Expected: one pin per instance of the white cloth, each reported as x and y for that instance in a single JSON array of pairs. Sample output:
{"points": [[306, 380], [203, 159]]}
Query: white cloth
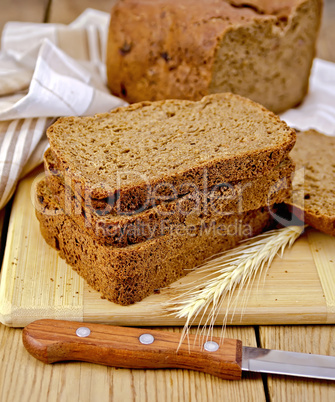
{"points": [[318, 108], [47, 70], [50, 70]]}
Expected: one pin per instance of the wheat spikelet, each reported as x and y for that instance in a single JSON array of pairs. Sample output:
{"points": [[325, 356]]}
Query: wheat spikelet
{"points": [[227, 271]]}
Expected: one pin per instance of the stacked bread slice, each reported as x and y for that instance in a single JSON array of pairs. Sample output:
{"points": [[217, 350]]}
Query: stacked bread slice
{"points": [[135, 198], [313, 198]]}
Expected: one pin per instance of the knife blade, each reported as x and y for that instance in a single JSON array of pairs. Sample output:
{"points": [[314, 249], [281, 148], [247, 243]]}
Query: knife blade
{"points": [[136, 348]]}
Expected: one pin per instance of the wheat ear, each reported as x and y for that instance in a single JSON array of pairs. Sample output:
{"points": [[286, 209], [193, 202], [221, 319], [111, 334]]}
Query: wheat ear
{"points": [[224, 273]]}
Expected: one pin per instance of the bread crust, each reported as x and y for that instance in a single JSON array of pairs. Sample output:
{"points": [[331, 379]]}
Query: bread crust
{"points": [[172, 49], [247, 161], [127, 275], [123, 230], [313, 186], [325, 224]]}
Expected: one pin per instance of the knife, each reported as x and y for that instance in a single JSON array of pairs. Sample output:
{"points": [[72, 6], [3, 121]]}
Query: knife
{"points": [[135, 348]]}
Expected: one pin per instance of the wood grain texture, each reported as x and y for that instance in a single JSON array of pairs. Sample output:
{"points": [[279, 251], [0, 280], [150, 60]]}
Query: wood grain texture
{"points": [[327, 263], [22, 10], [66, 11], [292, 285], [23, 378], [55, 341], [305, 339], [308, 339], [325, 45], [60, 289]]}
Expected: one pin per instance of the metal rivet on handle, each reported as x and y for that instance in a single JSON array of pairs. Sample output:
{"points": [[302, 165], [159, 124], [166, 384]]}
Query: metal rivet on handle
{"points": [[83, 332], [146, 339], [211, 346]]}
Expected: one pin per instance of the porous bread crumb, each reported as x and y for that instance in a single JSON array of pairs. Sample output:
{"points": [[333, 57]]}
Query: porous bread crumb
{"points": [[136, 152], [121, 230], [127, 275], [185, 49], [314, 188]]}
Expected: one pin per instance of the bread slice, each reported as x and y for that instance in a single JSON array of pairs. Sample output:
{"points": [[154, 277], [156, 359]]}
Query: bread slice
{"points": [[153, 150], [314, 183], [189, 210], [186, 49], [127, 275]]}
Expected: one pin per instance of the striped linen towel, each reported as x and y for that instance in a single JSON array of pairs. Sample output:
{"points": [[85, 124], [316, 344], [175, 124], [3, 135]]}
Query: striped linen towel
{"points": [[47, 70]]}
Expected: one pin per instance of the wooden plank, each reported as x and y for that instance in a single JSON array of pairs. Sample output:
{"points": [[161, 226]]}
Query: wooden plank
{"points": [[23, 378], [19, 10], [291, 292], [65, 11], [305, 339], [325, 44], [325, 265], [51, 287]]}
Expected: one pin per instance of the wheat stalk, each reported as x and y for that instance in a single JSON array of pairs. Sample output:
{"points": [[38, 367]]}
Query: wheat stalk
{"points": [[227, 271]]}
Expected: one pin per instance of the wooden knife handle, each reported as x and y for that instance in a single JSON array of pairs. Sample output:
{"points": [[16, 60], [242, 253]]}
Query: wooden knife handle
{"points": [[54, 340]]}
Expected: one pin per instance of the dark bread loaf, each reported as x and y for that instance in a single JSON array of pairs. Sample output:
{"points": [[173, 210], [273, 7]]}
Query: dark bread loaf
{"points": [[226, 199], [314, 183], [185, 49], [127, 275], [148, 151]]}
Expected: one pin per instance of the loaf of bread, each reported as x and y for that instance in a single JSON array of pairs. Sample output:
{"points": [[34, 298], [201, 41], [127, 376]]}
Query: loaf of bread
{"points": [[185, 49], [108, 228], [314, 183], [151, 151], [127, 275]]}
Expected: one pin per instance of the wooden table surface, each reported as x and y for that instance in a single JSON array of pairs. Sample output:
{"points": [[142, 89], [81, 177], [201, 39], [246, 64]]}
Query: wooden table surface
{"points": [[22, 378]]}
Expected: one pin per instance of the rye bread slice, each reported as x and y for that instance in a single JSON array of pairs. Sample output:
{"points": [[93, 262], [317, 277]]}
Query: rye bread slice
{"points": [[192, 209], [137, 154], [314, 183], [127, 275]]}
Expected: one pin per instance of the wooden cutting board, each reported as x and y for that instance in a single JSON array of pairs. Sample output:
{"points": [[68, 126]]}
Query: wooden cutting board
{"points": [[35, 283]]}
